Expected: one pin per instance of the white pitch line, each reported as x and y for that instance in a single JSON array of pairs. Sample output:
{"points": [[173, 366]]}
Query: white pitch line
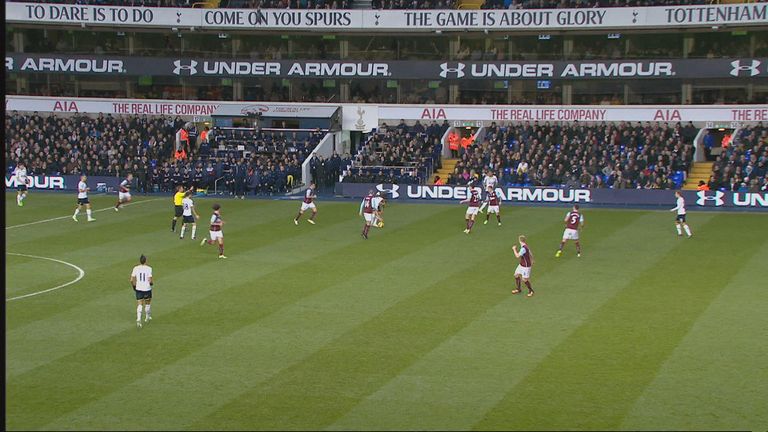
{"points": [[69, 217], [80, 275]]}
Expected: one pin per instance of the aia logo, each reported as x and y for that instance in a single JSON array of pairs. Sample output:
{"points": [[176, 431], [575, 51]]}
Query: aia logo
{"points": [[393, 192], [716, 198], [745, 68], [191, 68], [457, 72]]}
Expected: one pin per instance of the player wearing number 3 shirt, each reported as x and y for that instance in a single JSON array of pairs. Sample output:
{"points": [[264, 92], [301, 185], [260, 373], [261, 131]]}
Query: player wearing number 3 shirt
{"points": [[366, 210], [574, 221]]}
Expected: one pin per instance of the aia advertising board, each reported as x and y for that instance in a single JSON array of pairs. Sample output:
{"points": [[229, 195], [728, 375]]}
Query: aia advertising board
{"points": [[709, 200]]}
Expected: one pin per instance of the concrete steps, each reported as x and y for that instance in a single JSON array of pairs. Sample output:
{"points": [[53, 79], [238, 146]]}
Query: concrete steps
{"points": [[699, 171]]}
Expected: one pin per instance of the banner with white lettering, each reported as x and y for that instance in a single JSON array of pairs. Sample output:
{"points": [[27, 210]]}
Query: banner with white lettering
{"points": [[322, 20], [98, 184], [366, 116], [727, 68], [703, 200]]}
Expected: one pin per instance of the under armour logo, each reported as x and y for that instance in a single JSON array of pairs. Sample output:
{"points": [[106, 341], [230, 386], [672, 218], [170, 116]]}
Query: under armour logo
{"points": [[750, 70], [717, 198], [458, 70], [394, 191], [191, 67]]}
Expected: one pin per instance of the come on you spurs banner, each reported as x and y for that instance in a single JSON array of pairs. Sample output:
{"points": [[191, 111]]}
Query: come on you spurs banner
{"points": [[624, 18]]}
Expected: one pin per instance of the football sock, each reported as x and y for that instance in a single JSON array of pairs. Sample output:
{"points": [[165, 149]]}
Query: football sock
{"points": [[298, 216], [578, 248], [18, 199], [173, 225], [517, 283], [183, 230], [679, 231], [313, 216], [687, 230], [77, 211], [147, 311], [498, 218], [487, 216], [563, 244], [221, 249], [88, 212], [118, 204], [471, 223], [194, 230], [138, 313], [528, 284]]}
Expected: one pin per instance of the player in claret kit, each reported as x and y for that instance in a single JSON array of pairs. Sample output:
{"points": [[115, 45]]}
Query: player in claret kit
{"points": [[366, 210], [523, 271], [20, 173], [216, 231], [492, 199], [309, 203], [124, 194], [574, 221], [474, 207], [680, 219]]}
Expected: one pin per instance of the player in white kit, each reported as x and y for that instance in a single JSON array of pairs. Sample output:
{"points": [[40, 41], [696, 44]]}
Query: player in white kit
{"points": [[141, 281], [124, 194], [82, 199], [680, 222], [378, 203], [189, 213], [20, 173]]}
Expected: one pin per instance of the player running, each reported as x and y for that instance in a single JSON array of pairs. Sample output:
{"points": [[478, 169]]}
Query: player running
{"points": [[378, 209], [141, 281], [178, 209], [216, 232], [82, 199], [366, 210], [492, 200], [680, 219], [309, 203], [574, 221], [523, 271], [189, 213], [124, 195], [474, 206], [21, 183]]}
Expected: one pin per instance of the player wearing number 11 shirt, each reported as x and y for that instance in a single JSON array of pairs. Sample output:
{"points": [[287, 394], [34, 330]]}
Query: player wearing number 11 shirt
{"points": [[574, 221]]}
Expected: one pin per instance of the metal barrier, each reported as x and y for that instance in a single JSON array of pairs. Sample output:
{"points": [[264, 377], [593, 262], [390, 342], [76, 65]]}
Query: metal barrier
{"points": [[216, 186]]}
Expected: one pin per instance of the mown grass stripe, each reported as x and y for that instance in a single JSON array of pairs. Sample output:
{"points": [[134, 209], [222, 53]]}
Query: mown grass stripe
{"points": [[180, 333], [595, 376]]}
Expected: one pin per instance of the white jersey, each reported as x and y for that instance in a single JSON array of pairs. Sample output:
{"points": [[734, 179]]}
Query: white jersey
{"points": [[143, 274], [82, 190], [21, 175], [680, 207], [187, 204], [490, 181], [376, 202]]}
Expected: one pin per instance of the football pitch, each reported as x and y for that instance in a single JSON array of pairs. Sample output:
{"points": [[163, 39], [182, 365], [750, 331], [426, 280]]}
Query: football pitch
{"points": [[312, 327]]}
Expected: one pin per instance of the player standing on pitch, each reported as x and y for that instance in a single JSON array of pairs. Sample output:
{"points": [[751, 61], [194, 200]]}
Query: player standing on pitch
{"points": [[82, 199], [523, 270], [474, 206], [492, 199], [680, 219], [378, 209], [178, 209], [189, 213], [21, 183], [216, 231], [574, 221], [309, 203], [141, 281], [366, 210], [124, 195]]}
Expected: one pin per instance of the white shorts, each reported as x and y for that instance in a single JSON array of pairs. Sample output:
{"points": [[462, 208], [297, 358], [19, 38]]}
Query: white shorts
{"points": [[570, 234], [215, 235], [471, 211], [124, 196], [493, 209], [368, 217], [525, 272], [305, 206]]}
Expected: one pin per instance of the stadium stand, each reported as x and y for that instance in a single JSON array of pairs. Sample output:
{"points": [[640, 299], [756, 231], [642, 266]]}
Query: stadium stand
{"points": [[261, 162], [743, 165]]}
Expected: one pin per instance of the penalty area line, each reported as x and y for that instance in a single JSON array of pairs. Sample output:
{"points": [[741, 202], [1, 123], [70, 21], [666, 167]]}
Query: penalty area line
{"points": [[80, 275], [69, 217]]}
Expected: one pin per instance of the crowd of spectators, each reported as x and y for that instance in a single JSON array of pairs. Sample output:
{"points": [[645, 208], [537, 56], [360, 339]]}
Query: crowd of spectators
{"points": [[115, 146], [646, 156], [743, 164], [400, 154]]}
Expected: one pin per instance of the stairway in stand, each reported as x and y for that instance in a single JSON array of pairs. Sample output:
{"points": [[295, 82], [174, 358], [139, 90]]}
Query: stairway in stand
{"points": [[448, 166], [699, 171]]}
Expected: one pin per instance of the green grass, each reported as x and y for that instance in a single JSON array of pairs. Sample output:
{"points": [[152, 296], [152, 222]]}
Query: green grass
{"points": [[311, 327]]}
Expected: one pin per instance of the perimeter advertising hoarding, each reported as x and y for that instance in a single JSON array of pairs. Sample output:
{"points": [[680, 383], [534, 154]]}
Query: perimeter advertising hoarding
{"points": [[594, 197], [65, 182]]}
